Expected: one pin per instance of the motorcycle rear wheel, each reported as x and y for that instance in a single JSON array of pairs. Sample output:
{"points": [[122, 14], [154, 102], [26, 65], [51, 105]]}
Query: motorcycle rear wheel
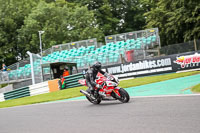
{"points": [[124, 96], [96, 101]]}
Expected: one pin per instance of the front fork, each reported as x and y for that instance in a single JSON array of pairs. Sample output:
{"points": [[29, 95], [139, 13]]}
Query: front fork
{"points": [[116, 92]]}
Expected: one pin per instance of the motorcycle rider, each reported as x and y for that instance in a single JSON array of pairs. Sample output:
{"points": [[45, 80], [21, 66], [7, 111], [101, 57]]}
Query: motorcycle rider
{"points": [[91, 76]]}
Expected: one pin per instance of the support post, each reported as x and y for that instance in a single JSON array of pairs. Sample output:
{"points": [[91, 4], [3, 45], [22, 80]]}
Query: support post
{"points": [[195, 45], [32, 70]]}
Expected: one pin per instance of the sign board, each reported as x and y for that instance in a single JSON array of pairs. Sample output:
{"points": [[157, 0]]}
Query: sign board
{"points": [[159, 65]]}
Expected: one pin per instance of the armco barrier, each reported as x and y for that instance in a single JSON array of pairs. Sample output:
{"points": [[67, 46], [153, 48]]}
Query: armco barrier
{"points": [[2, 97], [18, 93], [72, 80], [39, 88]]}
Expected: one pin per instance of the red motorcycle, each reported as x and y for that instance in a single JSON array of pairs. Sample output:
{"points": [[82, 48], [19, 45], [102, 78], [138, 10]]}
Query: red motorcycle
{"points": [[109, 91]]}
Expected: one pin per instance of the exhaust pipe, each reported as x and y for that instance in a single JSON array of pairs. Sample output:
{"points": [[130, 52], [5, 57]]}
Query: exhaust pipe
{"points": [[87, 94]]}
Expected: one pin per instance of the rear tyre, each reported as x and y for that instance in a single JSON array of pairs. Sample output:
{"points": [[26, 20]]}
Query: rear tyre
{"points": [[124, 96], [96, 101]]}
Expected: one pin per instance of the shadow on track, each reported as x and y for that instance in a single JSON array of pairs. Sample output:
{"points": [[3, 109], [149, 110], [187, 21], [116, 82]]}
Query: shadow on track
{"points": [[109, 103]]}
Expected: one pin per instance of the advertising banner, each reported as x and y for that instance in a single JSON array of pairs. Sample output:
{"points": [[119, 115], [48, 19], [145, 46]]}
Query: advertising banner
{"points": [[159, 65], [186, 61]]}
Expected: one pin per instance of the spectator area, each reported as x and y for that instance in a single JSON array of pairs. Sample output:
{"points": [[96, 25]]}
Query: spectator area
{"points": [[87, 55]]}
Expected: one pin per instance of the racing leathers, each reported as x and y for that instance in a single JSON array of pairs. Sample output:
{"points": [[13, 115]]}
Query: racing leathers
{"points": [[90, 79]]}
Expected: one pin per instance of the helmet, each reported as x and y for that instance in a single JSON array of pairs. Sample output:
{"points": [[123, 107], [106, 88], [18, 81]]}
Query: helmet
{"points": [[97, 65]]}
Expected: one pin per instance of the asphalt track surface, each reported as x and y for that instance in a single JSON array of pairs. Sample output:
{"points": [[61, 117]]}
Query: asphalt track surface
{"points": [[173, 114]]}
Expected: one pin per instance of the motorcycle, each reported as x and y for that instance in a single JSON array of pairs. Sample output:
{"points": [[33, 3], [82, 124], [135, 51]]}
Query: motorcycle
{"points": [[109, 91]]}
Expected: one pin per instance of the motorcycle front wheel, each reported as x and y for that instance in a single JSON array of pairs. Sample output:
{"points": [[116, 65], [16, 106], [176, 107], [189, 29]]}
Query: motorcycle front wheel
{"points": [[124, 96]]}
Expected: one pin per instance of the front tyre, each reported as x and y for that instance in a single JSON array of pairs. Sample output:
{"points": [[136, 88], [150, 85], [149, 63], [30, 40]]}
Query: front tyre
{"points": [[124, 96]]}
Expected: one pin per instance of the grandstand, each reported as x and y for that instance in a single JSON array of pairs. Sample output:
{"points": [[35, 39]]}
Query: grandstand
{"points": [[86, 52], [84, 55]]}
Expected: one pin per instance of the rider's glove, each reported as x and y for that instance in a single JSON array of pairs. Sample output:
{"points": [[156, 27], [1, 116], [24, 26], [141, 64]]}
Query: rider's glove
{"points": [[99, 86]]}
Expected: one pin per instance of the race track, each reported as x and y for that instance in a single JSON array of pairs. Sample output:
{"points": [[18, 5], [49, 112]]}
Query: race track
{"points": [[141, 115]]}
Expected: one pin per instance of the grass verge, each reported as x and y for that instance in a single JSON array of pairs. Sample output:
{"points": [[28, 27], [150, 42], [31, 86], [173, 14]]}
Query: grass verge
{"points": [[196, 88], [75, 92], [153, 79]]}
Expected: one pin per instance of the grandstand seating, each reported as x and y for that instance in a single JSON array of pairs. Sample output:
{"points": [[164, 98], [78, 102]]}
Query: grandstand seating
{"points": [[85, 56], [106, 53]]}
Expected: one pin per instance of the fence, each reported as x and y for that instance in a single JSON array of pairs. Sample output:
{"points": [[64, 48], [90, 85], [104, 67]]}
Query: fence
{"points": [[72, 80], [24, 71], [18, 93], [72, 45], [180, 48], [16, 72], [19, 64], [41, 88], [32, 90], [145, 35]]}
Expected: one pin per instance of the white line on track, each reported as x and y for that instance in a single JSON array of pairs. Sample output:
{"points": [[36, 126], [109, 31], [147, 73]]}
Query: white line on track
{"points": [[181, 95]]}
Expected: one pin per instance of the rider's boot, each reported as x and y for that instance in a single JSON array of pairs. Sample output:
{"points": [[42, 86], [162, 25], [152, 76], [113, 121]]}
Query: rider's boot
{"points": [[92, 94]]}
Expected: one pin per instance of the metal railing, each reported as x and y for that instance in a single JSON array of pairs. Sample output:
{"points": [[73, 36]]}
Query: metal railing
{"points": [[134, 35], [72, 45], [180, 48]]}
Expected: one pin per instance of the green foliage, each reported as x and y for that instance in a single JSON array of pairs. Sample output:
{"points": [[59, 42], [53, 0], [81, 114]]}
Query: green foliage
{"points": [[130, 13], [12, 14], [177, 21], [117, 16], [61, 22]]}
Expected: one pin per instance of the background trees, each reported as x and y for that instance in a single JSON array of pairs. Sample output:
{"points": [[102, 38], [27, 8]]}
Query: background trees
{"points": [[12, 14], [178, 21], [62, 23], [117, 16]]}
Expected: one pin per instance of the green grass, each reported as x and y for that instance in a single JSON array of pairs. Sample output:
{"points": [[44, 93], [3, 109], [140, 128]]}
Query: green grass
{"points": [[196, 88], [75, 92], [153, 79], [53, 96]]}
